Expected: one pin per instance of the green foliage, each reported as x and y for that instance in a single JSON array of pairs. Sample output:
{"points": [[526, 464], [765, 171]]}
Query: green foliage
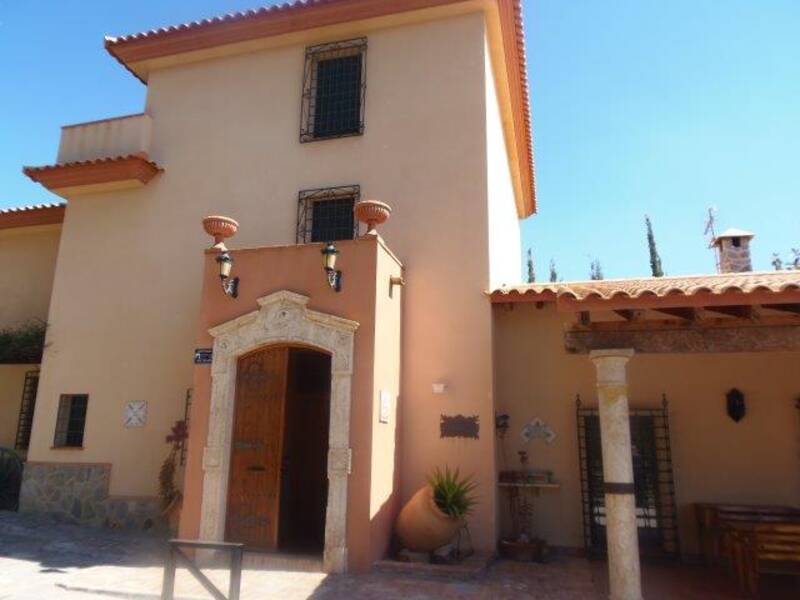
{"points": [[453, 494], [22, 345], [655, 260]]}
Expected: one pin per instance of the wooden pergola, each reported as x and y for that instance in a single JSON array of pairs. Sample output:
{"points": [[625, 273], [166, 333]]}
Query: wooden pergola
{"points": [[613, 320]]}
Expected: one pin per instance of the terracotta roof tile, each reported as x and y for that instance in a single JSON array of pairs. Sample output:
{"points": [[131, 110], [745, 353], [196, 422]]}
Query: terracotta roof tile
{"points": [[769, 281], [32, 215], [82, 163], [31, 208]]}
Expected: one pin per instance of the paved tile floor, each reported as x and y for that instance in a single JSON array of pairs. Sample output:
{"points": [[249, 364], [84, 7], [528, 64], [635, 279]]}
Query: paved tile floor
{"points": [[41, 560]]}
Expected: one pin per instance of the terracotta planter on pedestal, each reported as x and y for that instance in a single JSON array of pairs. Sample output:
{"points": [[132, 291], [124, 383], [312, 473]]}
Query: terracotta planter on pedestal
{"points": [[220, 228], [373, 213], [422, 527]]}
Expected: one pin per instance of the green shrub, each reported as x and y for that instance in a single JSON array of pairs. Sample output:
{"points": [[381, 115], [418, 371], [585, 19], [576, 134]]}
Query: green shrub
{"points": [[23, 344], [453, 494]]}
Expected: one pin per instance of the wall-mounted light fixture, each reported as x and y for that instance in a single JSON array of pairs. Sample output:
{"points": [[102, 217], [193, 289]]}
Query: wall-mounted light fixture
{"points": [[736, 405], [229, 285], [329, 254], [221, 228]]}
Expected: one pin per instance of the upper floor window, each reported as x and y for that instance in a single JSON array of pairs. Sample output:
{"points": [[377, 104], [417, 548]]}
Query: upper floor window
{"points": [[326, 215], [71, 420], [334, 87]]}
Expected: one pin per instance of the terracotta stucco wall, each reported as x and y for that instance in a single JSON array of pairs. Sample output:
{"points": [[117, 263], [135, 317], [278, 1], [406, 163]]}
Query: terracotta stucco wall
{"points": [[127, 290], [385, 467], [28, 256], [714, 459], [367, 267]]}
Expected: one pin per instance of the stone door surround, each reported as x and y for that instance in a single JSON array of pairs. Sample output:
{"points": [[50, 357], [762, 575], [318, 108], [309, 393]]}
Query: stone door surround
{"points": [[282, 318]]}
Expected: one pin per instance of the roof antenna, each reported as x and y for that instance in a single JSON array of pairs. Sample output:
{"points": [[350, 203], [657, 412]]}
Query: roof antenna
{"points": [[711, 231]]}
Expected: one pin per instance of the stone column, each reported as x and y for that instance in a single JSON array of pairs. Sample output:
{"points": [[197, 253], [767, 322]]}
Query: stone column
{"points": [[621, 531]]}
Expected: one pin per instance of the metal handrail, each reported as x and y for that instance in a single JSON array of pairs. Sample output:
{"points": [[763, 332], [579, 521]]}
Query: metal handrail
{"points": [[176, 555]]}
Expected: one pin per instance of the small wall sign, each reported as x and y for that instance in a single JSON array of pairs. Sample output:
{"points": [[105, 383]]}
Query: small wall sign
{"points": [[135, 413], [385, 406], [203, 356]]}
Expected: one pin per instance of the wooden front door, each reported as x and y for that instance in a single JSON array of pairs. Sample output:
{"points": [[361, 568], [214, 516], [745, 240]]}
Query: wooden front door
{"points": [[257, 448]]}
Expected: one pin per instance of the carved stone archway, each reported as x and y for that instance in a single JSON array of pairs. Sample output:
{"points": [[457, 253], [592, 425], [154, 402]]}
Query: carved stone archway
{"points": [[282, 318]]}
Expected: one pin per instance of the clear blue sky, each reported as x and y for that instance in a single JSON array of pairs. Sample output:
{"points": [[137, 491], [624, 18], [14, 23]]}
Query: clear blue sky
{"points": [[640, 106]]}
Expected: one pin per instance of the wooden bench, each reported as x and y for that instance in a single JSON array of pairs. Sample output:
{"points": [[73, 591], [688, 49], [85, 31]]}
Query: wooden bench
{"points": [[760, 548], [713, 522]]}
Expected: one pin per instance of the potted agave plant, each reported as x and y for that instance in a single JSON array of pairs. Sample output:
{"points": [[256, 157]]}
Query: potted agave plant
{"points": [[436, 512], [171, 496]]}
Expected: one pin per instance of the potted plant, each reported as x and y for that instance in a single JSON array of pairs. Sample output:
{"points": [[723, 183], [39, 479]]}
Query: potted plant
{"points": [[171, 496], [436, 512]]}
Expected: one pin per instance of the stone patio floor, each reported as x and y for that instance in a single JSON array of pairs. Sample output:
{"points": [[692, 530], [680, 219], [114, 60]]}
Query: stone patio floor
{"points": [[43, 560]]}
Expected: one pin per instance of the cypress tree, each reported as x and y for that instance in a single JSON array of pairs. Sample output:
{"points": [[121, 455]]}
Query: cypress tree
{"points": [[531, 268], [655, 259], [595, 270], [553, 272]]}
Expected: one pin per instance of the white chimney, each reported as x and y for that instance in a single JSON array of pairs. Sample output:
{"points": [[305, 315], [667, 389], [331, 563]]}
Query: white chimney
{"points": [[733, 251]]}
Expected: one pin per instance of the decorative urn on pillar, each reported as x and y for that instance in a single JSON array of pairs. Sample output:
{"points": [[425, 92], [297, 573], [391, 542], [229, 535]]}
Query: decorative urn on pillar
{"points": [[220, 228], [373, 213]]}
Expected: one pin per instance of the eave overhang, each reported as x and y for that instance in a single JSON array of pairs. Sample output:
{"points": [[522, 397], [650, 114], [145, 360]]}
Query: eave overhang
{"points": [[734, 289], [95, 176], [32, 216], [244, 31]]}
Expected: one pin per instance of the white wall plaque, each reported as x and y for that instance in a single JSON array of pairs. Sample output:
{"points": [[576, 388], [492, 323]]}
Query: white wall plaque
{"points": [[135, 413], [385, 407]]}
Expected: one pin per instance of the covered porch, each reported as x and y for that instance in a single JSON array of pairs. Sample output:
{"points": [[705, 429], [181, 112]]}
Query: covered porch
{"points": [[687, 386]]}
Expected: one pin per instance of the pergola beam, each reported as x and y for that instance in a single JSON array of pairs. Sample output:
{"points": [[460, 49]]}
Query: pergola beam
{"points": [[740, 312], [723, 335], [790, 308], [686, 313]]}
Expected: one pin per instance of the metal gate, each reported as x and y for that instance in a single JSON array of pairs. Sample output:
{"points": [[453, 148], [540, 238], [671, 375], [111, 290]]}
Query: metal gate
{"points": [[652, 475]]}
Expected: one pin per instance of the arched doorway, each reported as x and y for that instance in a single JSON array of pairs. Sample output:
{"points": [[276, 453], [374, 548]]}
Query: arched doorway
{"points": [[277, 493], [282, 318]]}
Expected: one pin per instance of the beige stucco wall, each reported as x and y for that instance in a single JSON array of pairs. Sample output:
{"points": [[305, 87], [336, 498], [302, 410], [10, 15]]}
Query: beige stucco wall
{"points": [[714, 459], [226, 132], [28, 256], [12, 381], [505, 258]]}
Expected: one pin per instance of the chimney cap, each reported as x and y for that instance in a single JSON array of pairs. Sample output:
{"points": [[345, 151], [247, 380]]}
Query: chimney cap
{"points": [[732, 233]]}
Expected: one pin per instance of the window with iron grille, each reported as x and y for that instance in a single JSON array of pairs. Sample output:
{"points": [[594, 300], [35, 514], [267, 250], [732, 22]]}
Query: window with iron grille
{"points": [[26, 408], [326, 215], [334, 90], [71, 420]]}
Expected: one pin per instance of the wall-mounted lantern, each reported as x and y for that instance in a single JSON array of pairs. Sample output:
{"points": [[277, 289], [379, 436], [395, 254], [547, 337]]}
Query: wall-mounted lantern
{"points": [[329, 254], [221, 228], [229, 285], [736, 404]]}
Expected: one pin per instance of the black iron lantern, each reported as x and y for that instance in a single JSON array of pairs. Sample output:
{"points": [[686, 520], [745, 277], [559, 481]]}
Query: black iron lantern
{"points": [[229, 286], [329, 254], [736, 405]]}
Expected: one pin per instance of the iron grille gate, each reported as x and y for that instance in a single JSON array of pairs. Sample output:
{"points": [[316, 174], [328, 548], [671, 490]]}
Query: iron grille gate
{"points": [[26, 408], [653, 481]]}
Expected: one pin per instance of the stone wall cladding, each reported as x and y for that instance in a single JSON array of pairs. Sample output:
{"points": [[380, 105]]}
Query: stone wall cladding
{"points": [[78, 493]]}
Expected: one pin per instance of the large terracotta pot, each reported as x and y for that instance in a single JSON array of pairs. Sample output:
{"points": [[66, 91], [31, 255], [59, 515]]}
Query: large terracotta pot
{"points": [[422, 527]]}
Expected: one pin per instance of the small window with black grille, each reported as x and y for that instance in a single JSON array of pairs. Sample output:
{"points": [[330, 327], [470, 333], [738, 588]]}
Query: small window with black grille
{"points": [[334, 89], [71, 420], [26, 408], [326, 215]]}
